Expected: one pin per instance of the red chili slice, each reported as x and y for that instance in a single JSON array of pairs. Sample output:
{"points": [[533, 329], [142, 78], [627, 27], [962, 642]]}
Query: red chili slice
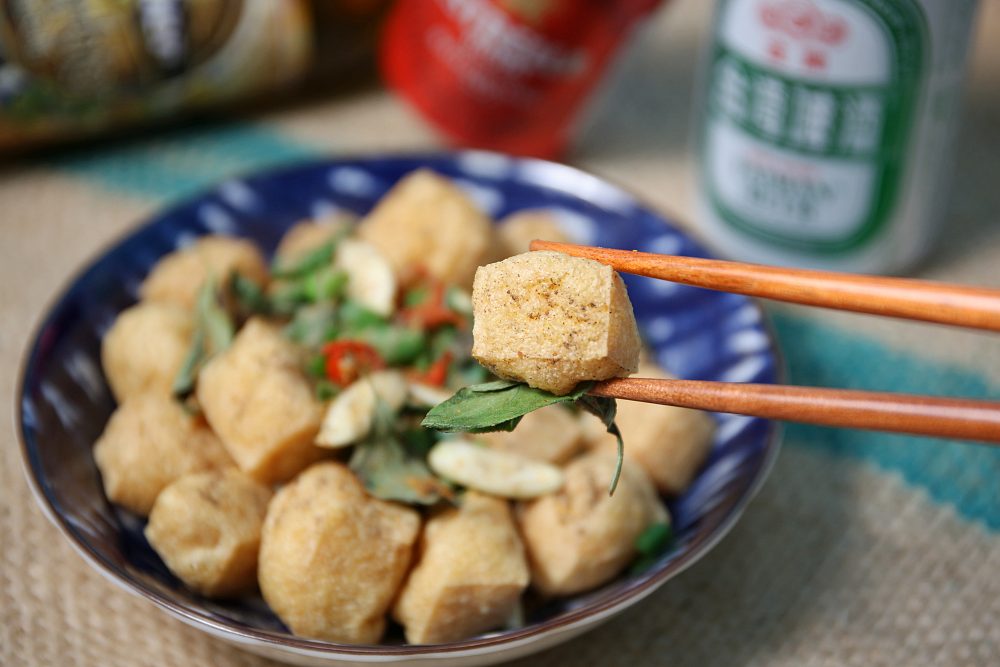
{"points": [[347, 359], [432, 312], [437, 374]]}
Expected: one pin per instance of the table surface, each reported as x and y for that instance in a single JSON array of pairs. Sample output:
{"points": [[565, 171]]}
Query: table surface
{"points": [[862, 549]]}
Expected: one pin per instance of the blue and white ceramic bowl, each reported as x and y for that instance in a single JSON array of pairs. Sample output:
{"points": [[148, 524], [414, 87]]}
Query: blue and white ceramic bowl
{"points": [[64, 401]]}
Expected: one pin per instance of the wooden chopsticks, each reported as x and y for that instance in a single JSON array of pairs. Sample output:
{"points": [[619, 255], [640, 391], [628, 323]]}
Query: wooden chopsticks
{"points": [[959, 305], [971, 307], [876, 411]]}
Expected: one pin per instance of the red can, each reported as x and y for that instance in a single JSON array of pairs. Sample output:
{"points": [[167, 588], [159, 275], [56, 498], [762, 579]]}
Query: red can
{"points": [[507, 75]]}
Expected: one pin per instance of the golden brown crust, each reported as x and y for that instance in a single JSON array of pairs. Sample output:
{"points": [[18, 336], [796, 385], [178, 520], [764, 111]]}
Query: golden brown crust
{"points": [[206, 527], [470, 573], [332, 557], [258, 401], [553, 321], [149, 442]]}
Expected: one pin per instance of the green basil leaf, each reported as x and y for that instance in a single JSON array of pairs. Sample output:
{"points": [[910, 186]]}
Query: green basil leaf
{"points": [[606, 409], [496, 408], [495, 385], [390, 470]]}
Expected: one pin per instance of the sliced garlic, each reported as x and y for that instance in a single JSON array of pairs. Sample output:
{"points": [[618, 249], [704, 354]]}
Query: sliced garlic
{"points": [[349, 417], [495, 472], [370, 279], [426, 396]]}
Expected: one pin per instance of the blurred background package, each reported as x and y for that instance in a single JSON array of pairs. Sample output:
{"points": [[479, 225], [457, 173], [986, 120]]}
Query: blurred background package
{"points": [[829, 128], [77, 68], [507, 75]]}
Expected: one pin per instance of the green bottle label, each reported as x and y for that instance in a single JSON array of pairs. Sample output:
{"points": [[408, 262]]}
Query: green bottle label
{"points": [[810, 106]]}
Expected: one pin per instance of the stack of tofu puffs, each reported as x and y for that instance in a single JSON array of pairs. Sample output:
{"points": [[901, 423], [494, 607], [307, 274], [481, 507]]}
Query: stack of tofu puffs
{"points": [[250, 491]]}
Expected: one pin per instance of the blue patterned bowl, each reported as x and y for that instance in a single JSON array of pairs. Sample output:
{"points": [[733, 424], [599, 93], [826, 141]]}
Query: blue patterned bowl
{"points": [[64, 401]]}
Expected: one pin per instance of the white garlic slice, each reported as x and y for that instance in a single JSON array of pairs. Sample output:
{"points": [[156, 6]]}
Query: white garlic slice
{"points": [[370, 279], [349, 417], [494, 472]]}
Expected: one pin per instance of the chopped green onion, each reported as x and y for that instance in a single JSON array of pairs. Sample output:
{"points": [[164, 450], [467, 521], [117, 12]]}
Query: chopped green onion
{"points": [[398, 346], [326, 390], [324, 285], [316, 366], [313, 324], [415, 297], [249, 296], [354, 316], [654, 540]]}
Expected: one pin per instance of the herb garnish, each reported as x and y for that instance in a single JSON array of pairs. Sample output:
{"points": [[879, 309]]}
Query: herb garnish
{"points": [[393, 465], [651, 544], [499, 406], [214, 331]]}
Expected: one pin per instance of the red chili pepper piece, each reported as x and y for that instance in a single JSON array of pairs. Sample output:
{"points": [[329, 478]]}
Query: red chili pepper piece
{"points": [[437, 374], [347, 359], [432, 312]]}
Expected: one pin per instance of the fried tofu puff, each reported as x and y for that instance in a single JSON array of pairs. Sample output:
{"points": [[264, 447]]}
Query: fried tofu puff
{"points": [[427, 221], [177, 277], [670, 443], [149, 442], [518, 230], [553, 321], [307, 236], [145, 348], [552, 434], [470, 573], [580, 537], [332, 557], [257, 399], [206, 527]]}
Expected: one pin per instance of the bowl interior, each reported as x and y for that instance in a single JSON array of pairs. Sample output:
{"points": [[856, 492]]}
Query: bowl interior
{"points": [[696, 334]]}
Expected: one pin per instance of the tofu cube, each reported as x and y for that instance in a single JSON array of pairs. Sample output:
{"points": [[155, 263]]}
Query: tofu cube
{"points": [[149, 442], [145, 348], [427, 221], [178, 277], [518, 230], [552, 434], [670, 443], [206, 528], [257, 399], [553, 321], [470, 574], [332, 558], [580, 537]]}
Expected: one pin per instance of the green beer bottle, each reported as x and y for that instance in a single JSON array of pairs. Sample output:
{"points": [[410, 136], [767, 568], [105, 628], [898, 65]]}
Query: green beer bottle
{"points": [[828, 127]]}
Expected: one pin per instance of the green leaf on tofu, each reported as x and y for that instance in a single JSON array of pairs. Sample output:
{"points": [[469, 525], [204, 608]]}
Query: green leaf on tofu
{"points": [[499, 406], [493, 406]]}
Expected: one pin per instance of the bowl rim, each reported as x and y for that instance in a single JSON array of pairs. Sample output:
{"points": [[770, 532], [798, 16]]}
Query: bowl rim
{"points": [[586, 614]]}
